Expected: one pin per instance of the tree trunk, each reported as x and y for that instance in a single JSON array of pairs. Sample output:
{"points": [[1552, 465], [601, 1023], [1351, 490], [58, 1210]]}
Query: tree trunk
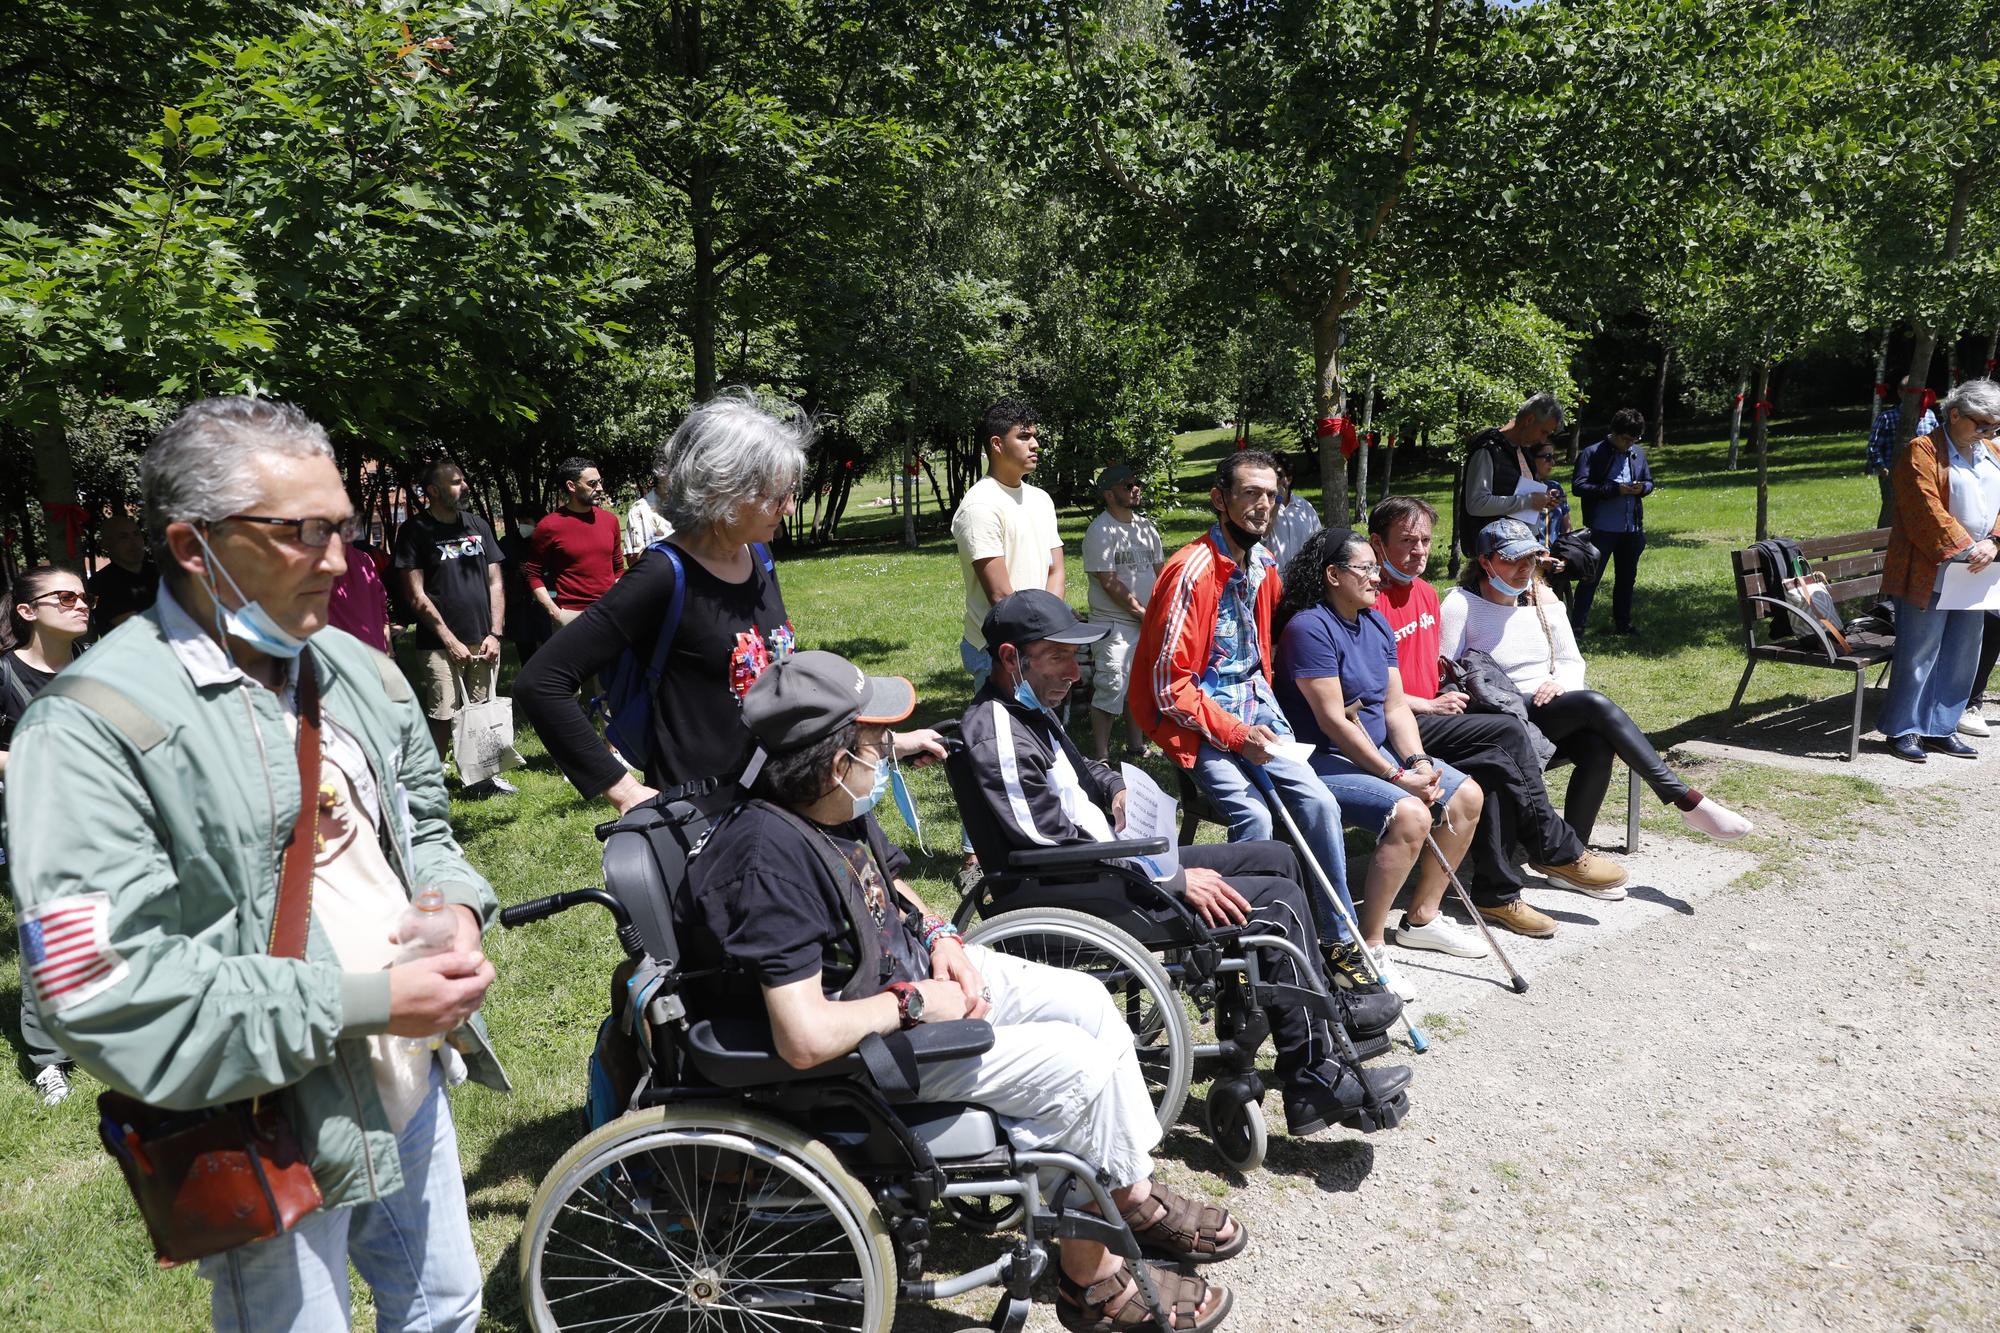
{"points": [[1660, 399], [1925, 345], [1881, 378], [910, 484], [1327, 394], [1760, 433], [1367, 423], [1951, 361], [55, 487], [1736, 417], [1388, 470]]}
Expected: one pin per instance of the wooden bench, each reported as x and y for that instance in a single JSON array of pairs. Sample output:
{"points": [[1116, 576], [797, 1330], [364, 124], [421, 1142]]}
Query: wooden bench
{"points": [[1852, 563]]}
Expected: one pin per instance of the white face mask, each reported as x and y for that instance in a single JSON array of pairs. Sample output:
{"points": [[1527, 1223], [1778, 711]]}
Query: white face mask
{"points": [[249, 623], [1505, 586]]}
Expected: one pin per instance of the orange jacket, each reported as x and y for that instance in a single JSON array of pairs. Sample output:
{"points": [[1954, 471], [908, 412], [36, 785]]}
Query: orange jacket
{"points": [[1924, 534], [1175, 644]]}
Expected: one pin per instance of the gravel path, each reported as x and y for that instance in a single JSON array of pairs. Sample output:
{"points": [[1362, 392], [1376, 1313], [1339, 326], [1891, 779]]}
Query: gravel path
{"points": [[1717, 1107]]}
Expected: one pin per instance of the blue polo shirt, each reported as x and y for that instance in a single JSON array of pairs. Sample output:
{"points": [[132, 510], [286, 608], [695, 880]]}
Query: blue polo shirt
{"points": [[1318, 644]]}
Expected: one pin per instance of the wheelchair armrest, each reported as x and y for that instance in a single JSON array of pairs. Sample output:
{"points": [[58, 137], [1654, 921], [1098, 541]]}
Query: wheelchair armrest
{"points": [[1077, 855], [962, 1037]]}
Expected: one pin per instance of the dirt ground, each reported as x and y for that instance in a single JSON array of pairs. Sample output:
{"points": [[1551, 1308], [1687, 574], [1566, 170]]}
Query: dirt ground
{"points": [[1732, 1101]]}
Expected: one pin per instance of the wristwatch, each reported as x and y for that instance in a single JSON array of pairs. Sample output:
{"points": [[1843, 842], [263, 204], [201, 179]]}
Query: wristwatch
{"points": [[909, 1003]]}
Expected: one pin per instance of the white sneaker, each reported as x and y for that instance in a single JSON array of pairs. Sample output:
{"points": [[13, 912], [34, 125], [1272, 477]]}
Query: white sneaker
{"points": [[1440, 935], [1972, 724], [501, 785], [1391, 975], [52, 1085]]}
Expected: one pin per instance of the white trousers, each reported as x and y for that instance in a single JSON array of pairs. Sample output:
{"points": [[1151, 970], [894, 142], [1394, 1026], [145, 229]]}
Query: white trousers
{"points": [[1062, 1073]]}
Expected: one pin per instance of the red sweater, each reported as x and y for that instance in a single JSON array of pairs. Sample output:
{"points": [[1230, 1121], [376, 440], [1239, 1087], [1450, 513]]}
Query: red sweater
{"points": [[575, 556]]}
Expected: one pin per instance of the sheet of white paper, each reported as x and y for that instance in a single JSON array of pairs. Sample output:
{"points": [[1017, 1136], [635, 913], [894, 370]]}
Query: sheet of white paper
{"points": [[1963, 590], [1151, 813], [1296, 751]]}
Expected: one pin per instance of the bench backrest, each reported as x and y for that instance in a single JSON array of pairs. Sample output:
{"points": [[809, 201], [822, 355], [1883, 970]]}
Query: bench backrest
{"points": [[1851, 561]]}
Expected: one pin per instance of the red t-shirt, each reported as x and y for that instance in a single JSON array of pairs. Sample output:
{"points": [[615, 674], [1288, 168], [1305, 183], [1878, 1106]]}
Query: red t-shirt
{"points": [[1412, 612], [575, 556]]}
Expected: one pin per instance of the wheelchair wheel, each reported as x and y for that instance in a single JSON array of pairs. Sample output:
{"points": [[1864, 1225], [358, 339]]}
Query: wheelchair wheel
{"points": [[1236, 1127], [704, 1217], [1076, 941]]}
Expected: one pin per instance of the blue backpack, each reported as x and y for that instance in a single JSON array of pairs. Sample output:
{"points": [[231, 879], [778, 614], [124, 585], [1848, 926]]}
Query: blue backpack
{"points": [[629, 686]]}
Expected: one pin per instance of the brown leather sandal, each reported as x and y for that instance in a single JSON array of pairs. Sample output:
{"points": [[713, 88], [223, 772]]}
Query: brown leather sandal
{"points": [[1112, 1304], [1185, 1230]]}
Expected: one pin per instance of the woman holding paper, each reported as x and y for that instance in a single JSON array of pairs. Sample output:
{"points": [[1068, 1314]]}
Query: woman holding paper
{"points": [[1947, 488]]}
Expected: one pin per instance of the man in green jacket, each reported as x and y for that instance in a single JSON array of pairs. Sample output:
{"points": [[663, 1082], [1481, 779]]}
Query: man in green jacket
{"points": [[153, 787]]}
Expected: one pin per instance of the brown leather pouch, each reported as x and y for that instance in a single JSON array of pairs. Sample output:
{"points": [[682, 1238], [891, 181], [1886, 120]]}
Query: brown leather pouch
{"points": [[212, 1179], [209, 1180]]}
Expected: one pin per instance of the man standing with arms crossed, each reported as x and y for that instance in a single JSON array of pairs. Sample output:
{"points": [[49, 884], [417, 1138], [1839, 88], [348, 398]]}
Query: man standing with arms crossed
{"points": [[449, 564], [1005, 528], [1122, 554], [177, 744], [574, 556]]}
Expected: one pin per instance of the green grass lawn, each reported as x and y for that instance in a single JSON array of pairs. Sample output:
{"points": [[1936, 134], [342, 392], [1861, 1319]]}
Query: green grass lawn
{"points": [[72, 1252]]}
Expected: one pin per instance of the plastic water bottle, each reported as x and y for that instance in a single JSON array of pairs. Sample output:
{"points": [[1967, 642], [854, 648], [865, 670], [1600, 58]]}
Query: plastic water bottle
{"points": [[426, 927]]}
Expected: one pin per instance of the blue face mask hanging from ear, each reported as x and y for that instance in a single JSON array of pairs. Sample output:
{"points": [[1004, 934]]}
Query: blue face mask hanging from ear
{"points": [[249, 623], [864, 804], [1024, 693], [1505, 586], [905, 805]]}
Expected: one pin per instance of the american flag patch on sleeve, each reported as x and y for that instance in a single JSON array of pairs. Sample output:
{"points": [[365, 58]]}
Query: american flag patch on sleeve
{"points": [[67, 945]]}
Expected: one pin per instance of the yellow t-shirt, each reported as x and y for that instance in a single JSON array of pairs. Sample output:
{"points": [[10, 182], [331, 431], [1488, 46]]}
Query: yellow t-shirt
{"points": [[1017, 524]]}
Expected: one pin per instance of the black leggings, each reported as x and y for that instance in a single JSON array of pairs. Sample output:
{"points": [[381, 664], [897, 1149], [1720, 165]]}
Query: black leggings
{"points": [[1589, 730]]}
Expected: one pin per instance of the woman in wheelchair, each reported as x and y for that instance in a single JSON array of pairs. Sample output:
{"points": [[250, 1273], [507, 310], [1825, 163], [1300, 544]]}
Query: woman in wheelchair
{"points": [[1338, 681], [795, 901], [1036, 789]]}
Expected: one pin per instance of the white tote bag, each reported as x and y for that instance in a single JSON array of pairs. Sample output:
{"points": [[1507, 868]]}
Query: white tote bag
{"points": [[482, 738]]}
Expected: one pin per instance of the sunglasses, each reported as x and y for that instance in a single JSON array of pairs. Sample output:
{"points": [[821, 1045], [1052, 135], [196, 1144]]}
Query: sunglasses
{"points": [[66, 599], [313, 532]]}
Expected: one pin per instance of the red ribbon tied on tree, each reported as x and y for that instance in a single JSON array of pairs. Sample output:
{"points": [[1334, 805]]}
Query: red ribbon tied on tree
{"points": [[1928, 401], [1341, 429], [1764, 408], [1882, 391], [72, 519], [1992, 363]]}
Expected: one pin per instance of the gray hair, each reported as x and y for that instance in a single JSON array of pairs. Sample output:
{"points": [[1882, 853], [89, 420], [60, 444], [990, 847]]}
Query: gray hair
{"points": [[735, 449], [193, 470], [1541, 407], [1981, 396]]}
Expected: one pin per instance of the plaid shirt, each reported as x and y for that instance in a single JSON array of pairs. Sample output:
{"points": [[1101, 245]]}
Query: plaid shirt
{"points": [[1235, 674], [1882, 439]]}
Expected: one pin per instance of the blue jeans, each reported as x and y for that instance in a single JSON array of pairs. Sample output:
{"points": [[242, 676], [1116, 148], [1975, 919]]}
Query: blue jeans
{"points": [[976, 661], [1224, 778], [1366, 801], [413, 1248], [1937, 655]]}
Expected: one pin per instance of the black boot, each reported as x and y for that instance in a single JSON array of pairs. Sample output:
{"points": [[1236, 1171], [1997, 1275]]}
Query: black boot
{"points": [[1363, 1099], [1367, 1016]]}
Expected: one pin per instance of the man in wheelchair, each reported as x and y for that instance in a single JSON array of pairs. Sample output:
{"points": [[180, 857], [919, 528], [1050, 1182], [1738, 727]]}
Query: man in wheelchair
{"points": [[796, 900], [1038, 790]]}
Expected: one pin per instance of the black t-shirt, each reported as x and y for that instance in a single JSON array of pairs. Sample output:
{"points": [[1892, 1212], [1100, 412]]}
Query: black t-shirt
{"points": [[116, 594], [763, 898], [19, 683], [728, 634], [452, 558]]}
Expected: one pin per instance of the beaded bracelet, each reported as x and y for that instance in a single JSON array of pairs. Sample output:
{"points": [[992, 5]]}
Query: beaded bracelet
{"points": [[941, 931]]}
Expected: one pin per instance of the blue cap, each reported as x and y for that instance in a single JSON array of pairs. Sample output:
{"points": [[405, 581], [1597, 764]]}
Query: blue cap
{"points": [[1508, 538]]}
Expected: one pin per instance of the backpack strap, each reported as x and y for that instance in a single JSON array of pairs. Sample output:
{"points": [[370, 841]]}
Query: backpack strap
{"points": [[668, 626], [15, 686], [112, 705], [394, 683]]}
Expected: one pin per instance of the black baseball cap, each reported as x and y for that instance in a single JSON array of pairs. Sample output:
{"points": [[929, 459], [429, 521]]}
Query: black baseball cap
{"points": [[1115, 475], [1034, 614], [809, 696]]}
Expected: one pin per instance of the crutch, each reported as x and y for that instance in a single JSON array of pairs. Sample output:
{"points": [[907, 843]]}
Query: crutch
{"points": [[1520, 982], [1418, 1042]]}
